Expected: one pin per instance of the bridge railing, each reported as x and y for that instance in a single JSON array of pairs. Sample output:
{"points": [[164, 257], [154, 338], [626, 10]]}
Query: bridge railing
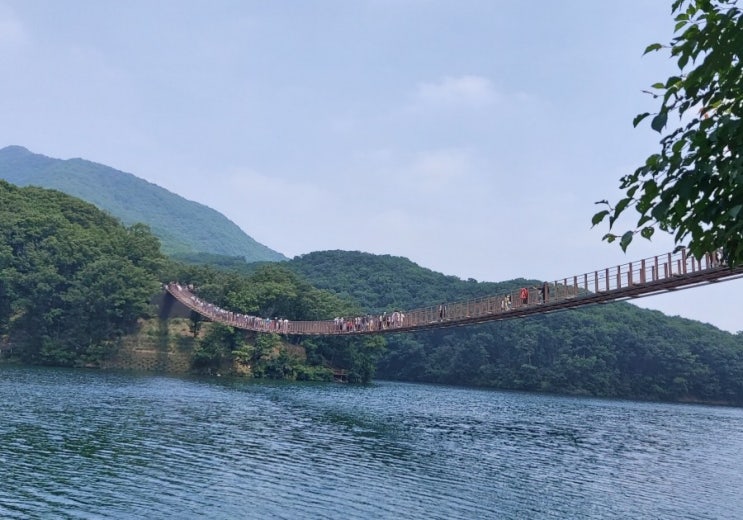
{"points": [[649, 270], [629, 279], [637, 274]]}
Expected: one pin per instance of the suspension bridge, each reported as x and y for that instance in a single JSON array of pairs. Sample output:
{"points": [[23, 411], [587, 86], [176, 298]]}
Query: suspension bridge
{"points": [[646, 277]]}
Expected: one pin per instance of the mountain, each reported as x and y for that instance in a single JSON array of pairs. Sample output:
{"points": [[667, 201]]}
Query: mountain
{"points": [[184, 227], [381, 283]]}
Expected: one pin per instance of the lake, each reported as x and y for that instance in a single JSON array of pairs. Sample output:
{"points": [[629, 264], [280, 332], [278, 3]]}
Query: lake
{"points": [[95, 444]]}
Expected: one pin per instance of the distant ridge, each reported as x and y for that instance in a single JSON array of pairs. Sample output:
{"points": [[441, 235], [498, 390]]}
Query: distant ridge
{"points": [[184, 227]]}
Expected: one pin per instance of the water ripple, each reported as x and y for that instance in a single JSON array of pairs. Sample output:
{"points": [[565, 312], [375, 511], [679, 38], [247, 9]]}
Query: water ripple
{"points": [[77, 444]]}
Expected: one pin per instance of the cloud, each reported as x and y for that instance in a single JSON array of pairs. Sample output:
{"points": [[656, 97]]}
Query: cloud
{"points": [[463, 91], [12, 32], [433, 169]]}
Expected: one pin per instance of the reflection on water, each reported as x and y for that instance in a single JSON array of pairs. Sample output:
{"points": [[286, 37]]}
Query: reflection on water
{"points": [[86, 444]]}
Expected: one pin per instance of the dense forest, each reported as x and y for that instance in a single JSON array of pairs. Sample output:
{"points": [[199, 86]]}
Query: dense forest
{"points": [[612, 350], [74, 281], [272, 290]]}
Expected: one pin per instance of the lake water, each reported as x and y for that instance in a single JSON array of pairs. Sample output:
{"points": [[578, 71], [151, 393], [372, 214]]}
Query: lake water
{"points": [[89, 444]]}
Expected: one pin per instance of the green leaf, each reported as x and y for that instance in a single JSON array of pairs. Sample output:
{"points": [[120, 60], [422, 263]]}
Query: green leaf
{"points": [[673, 81], [647, 232], [621, 205], [626, 239], [598, 217], [659, 212], [683, 60], [609, 237], [659, 121], [638, 118], [652, 47], [650, 187], [650, 163]]}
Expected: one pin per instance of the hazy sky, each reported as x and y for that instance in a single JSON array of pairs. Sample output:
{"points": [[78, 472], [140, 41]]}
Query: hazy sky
{"points": [[471, 136]]}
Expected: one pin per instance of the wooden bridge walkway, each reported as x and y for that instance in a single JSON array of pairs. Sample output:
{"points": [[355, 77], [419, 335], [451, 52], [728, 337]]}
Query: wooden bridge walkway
{"points": [[663, 273]]}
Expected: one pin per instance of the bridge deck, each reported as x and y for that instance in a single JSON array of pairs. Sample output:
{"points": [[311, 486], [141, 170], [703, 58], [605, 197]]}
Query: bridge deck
{"points": [[646, 277]]}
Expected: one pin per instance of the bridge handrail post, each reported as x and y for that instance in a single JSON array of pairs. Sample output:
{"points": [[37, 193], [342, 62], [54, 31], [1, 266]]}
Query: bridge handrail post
{"points": [[656, 272]]}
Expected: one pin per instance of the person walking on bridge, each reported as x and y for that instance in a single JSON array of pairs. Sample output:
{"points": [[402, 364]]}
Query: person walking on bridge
{"points": [[524, 295], [544, 292]]}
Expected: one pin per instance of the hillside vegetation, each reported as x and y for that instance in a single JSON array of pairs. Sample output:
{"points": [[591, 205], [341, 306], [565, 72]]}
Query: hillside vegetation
{"points": [[72, 279], [184, 227], [613, 350], [74, 282], [273, 290]]}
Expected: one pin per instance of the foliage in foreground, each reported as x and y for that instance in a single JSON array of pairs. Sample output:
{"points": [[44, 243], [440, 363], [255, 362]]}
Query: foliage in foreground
{"points": [[694, 186]]}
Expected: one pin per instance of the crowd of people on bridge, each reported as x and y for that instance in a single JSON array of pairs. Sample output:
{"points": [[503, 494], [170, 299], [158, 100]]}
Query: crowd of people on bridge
{"points": [[370, 323], [245, 321], [659, 268]]}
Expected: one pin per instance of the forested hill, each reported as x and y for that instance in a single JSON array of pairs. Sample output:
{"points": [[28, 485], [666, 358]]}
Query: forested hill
{"points": [[72, 279], [184, 227], [613, 350], [382, 282]]}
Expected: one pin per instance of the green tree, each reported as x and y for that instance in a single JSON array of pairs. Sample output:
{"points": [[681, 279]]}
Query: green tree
{"points": [[73, 279], [693, 188], [215, 347]]}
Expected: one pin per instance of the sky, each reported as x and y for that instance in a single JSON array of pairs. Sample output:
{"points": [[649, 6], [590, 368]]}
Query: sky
{"points": [[471, 136]]}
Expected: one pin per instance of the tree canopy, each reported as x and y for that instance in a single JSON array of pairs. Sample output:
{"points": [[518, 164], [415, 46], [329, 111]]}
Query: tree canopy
{"points": [[693, 187], [72, 278], [273, 290]]}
